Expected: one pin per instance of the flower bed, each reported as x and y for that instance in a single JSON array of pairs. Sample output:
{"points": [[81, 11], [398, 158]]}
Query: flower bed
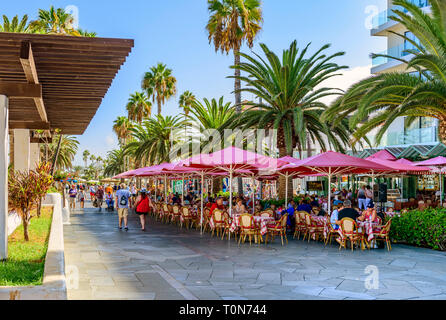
{"points": [[425, 228], [26, 260]]}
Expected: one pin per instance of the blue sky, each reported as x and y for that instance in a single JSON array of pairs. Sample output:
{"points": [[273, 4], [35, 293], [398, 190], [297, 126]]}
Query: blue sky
{"points": [[173, 32]]}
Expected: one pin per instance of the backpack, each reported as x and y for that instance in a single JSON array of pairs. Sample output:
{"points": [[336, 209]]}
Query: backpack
{"points": [[123, 201]]}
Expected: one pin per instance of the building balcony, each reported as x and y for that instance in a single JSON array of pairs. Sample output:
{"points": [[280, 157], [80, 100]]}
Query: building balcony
{"points": [[382, 21], [413, 136], [381, 64]]}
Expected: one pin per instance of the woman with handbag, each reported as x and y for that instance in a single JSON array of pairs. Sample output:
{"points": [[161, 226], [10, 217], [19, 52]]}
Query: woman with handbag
{"points": [[143, 205]]}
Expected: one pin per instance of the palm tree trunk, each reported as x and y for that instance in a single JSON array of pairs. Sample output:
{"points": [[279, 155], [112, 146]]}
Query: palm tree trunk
{"points": [[309, 151], [159, 107], [238, 104], [56, 155], [282, 181]]}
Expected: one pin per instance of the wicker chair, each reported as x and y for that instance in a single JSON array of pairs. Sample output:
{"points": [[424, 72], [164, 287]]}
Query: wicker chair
{"points": [[313, 229], [188, 219], [349, 231], [278, 229], [383, 234], [227, 221], [176, 214], [165, 213], [247, 228], [266, 213], [331, 232], [217, 217], [301, 226]]}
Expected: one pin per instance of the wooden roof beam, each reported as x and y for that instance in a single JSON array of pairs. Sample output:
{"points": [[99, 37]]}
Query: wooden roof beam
{"points": [[29, 68], [20, 90], [31, 125]]}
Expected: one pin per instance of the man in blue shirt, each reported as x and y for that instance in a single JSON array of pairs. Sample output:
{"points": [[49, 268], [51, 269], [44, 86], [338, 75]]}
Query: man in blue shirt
{"points": [[304, 206], [122, 203]]}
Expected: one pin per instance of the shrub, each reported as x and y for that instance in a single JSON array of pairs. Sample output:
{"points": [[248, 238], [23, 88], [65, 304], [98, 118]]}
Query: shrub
{"points": [[425, 228]]}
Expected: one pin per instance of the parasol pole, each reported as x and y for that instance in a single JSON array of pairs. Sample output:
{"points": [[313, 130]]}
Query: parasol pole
{"points": [[286, 190], [441, 188], [230, 190], [182, 189], [165, 187], [329, 191], [253, 195], [202, 185], [402, 193]]}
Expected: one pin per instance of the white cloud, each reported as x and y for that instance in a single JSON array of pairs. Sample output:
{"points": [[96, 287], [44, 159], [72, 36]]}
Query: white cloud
{"points": [[110, 141], [346, 80]]}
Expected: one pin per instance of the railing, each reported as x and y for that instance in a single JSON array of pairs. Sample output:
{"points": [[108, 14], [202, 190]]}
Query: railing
{"points": [[397, 52], [384, 16]]}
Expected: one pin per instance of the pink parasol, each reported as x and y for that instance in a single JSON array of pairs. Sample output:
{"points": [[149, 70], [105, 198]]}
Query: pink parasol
{"points": [[405, 161], [382, 155], [334, 163]]}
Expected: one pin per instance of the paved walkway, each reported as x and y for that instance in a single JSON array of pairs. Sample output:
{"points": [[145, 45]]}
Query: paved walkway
{"points": [[167, 263]]}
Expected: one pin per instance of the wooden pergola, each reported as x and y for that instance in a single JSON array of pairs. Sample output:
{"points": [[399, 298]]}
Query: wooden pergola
{"points": [[57, 82], [49, 83]]}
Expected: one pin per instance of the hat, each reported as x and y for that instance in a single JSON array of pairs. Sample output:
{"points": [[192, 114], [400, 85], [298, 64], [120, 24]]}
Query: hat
{"points": [[143, 191], [371, 205]]}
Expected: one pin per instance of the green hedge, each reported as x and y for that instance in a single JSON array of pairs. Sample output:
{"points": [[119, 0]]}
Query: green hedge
{"points": [[425, 228]]}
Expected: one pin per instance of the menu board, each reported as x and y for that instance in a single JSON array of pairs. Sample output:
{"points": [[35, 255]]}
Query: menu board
{"points": [[315, 186]]}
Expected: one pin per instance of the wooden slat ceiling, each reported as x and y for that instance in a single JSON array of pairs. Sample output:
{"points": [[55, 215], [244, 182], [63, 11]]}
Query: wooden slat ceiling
{"points": [[75, 74]]}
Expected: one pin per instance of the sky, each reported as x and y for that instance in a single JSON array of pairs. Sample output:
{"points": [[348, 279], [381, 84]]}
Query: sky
{"points": [[173, 32]]}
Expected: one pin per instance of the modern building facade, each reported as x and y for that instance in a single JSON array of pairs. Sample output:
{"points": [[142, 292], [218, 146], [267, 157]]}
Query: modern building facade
{"points": [[420, 139]]}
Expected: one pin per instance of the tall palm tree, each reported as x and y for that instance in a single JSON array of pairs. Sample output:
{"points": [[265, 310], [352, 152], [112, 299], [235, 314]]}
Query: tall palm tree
{"points": [[15, 25], [93, 159], [68, 149], [291, 91], [115, 163], [232, 23], [375, 102], [85, 157], [152, 141], [121, 127], [186, 100], [139, 107], [87, 34], [160, 84], [55, 21], [212, 114]]}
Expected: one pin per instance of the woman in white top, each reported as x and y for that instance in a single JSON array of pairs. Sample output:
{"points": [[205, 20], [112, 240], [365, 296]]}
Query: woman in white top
{"points": [[240, 207]]}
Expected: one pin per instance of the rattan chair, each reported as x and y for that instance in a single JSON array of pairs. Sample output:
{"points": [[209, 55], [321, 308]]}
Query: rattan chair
{"points": [[247, 228], [278, 229], [301, 226], [217, 217], [313, 229], [350, 231], [176, 214], [383, 234], [188, 219], [331, 232]]}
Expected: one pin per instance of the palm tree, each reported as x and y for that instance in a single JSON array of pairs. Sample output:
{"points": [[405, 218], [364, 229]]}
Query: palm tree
{"points": [[212, 114], [93, 159], [85, 157], [377, 101], [232, 23], [115, 163], [186, 100], [139, 107], [15, 25], [87, 34], [160, 84], [55, 21], [152, 141], [68, 149], [122, 126], [290, 90]]}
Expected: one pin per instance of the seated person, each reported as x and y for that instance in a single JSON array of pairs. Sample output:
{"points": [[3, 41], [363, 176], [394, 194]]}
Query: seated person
{"points": [[347, 212], [314, 202], [217, 205], [334, 217], [304, 206], [369, 213], [337, 201]]}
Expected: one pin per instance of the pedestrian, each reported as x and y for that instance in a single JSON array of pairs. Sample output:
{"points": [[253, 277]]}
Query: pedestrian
{"points": [[99, 195], [92, 192], [82, 197], [72, 196], [362, 199], [143, 206], [122, 203]]}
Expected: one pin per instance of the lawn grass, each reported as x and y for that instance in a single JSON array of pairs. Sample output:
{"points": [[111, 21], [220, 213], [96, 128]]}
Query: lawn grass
{"points": [[26, 260]]}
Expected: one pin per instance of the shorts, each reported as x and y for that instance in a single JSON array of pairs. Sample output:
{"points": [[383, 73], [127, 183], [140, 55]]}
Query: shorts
{"points": [[141, 213], [123, 213], [72, 200]]}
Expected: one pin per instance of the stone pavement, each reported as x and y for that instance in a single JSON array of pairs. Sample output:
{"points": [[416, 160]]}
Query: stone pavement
{"points": [[168, 263]]}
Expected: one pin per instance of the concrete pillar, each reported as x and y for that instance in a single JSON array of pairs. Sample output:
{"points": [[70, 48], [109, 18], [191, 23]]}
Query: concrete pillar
{"points": [[4, 148], [34, 156], [21, 150]]}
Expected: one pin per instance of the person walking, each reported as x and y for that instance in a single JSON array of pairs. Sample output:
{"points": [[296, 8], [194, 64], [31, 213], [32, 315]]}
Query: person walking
{"points": [[143, 206], [123, 196], [92, 193], [82, 197], [99, 195], [369, 196], [72, 196]]}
